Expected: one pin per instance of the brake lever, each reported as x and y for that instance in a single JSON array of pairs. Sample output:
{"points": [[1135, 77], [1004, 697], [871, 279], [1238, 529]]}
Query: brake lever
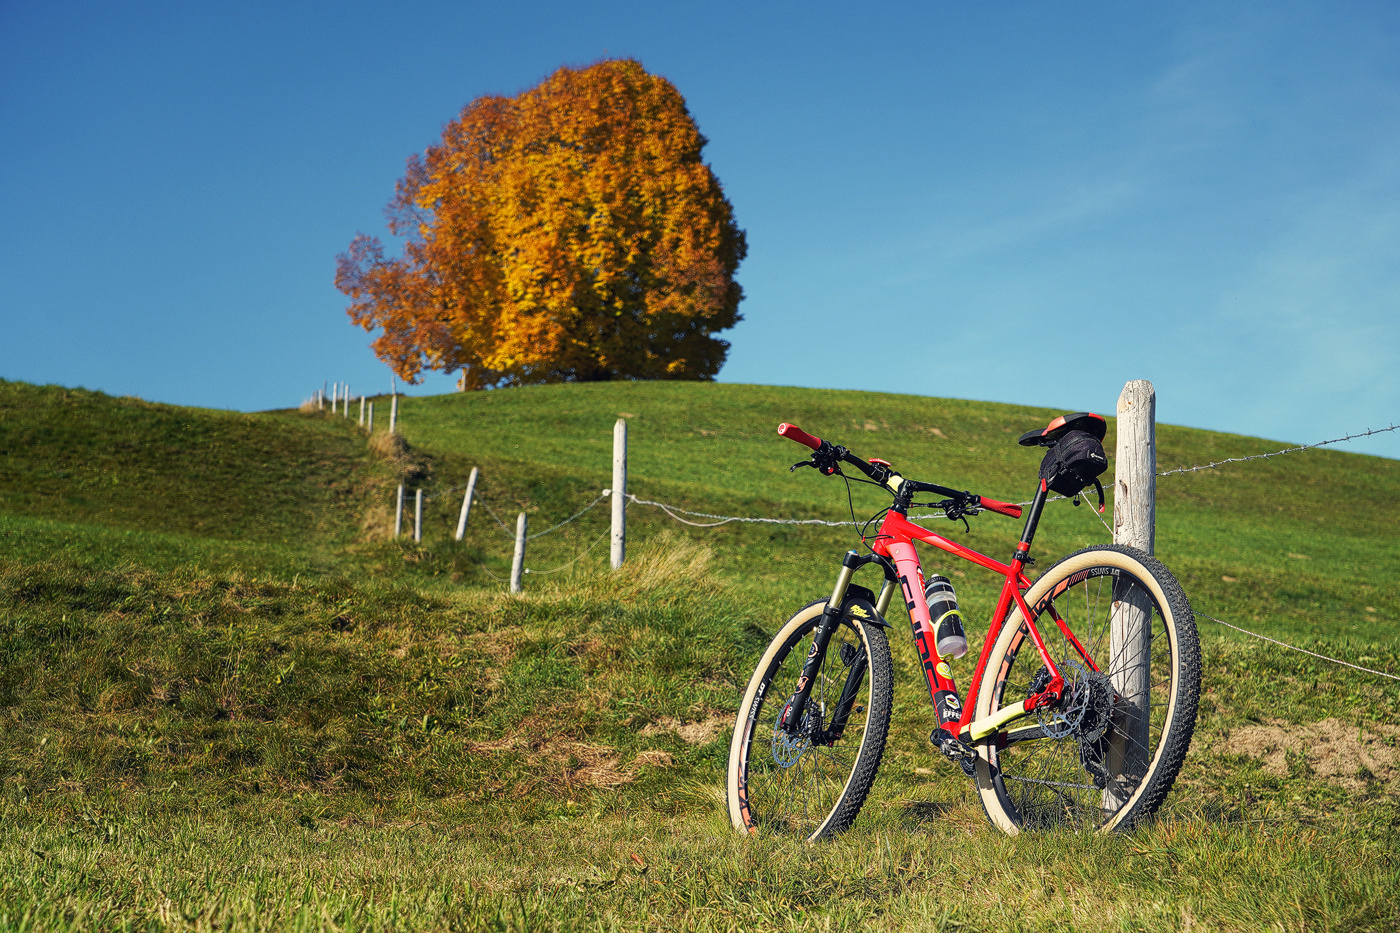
{"points": [[801, 463], [956, 510]]}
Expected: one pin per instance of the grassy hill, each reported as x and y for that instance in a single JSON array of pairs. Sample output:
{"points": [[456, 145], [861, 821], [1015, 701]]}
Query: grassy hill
{"points": [[1306, 538], [228, 702]]}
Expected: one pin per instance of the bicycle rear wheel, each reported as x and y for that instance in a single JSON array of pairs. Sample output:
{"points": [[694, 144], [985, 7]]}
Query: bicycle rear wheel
{"points": [[810, 783], [1106, 755]]}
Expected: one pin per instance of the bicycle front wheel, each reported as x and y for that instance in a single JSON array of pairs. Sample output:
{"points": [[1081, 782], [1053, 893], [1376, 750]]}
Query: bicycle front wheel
{"points": [[811, 783], [1121, 631]]}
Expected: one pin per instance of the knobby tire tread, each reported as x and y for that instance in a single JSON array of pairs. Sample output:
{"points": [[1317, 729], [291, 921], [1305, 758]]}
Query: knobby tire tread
{"points": [[872, 751], [880, 691], [1186, 685]]}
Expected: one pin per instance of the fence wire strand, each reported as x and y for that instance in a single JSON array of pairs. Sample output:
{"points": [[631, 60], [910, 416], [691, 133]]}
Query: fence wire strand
{"points": [[1202, 615], [1278, 453], [504, 527], [579, 557], [671, 510], [574, 517]]}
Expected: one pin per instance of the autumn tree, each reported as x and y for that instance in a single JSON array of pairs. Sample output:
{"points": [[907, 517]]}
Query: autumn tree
{"points": [[571, 232]]}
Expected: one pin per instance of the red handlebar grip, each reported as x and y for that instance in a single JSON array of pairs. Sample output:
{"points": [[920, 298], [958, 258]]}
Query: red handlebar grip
{"points": [[1005, 508], [793, 433]]}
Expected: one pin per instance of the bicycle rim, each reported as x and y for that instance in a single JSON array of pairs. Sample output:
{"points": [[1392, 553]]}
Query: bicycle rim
{"points": [[788, 784], [1107, 755]]}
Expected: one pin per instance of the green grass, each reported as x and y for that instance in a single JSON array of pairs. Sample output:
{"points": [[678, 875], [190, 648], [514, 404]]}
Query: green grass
{"points": [[253, 713], [1307, 537]]}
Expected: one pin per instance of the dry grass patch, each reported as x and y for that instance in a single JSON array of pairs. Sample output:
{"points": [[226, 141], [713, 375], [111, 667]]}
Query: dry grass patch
{"points": [[1333, 749], [698, 732]]}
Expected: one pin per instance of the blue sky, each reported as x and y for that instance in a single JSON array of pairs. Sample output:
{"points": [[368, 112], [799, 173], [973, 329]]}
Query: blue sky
{"points": [[1025, 202]]}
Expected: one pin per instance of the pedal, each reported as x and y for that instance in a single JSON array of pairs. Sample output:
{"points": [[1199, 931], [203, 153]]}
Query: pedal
{"points": [[955, 749]]}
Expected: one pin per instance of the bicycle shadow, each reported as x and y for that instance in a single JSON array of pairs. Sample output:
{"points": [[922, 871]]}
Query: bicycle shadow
{"points": [[914, 814]]}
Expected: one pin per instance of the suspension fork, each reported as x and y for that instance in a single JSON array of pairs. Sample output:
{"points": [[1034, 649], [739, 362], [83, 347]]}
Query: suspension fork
{"points": [[855, 674], [831, 618]]}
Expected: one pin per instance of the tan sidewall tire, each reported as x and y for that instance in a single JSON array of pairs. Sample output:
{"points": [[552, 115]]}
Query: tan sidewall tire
{"points": [[1126, 560], [804, 616]]}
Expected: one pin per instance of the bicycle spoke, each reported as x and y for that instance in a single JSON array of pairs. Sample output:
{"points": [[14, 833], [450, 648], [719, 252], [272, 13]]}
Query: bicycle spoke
{"points": [[1046, 771]]}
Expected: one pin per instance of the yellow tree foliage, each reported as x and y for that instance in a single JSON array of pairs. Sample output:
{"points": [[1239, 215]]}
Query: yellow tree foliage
{"points": [[569, 233]]}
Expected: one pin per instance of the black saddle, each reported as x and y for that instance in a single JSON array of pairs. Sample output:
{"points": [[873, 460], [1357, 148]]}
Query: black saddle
{"points": [[1075, 457], [1085, 421]]}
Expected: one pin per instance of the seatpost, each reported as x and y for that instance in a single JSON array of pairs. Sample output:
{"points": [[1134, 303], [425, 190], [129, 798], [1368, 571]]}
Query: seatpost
{"points": [[1032, 519], [831, 617]]}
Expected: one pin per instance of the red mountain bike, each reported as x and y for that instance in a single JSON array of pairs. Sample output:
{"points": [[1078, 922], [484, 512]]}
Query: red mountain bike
{"points": [[1083, 699]]}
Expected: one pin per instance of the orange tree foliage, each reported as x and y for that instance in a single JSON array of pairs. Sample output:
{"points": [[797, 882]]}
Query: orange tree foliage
{"points": [[569, 233]]}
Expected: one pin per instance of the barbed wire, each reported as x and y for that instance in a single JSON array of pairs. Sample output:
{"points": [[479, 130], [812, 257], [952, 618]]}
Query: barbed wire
{"points": [[1279, 453], [1202, 615]]}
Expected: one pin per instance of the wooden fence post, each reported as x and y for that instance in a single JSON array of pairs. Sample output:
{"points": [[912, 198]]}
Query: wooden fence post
{"points": [[619, 493], [393, 413], [1130, 635], [321, 399], [517, 563], [362, 411], [418, 516], [335, 395], [398, 513], [345, 407], [369, 419], [467, 503]]}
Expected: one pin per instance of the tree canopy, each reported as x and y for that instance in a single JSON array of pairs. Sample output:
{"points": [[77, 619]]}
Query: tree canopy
{"points": [[569, 233]]}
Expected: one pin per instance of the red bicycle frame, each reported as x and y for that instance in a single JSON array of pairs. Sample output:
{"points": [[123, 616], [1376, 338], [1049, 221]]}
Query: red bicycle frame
{"points": [[894, 549], [895, 542]]}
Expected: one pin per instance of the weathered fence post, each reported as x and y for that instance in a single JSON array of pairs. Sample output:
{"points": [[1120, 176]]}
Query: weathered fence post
{"points": [[418, 516], [393, 413], [345, 408], [1130, 635], [362, 411], [467, 503], [398, 513], [321, 399], [335, 395], [369, 419], [619, 493], [517, 563]]}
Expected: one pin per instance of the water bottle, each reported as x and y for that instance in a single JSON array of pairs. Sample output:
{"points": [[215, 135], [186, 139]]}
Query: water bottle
{"points": [[947, 620]]}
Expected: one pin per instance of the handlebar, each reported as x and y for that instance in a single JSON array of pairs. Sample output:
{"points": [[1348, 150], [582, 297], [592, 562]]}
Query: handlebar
{"points": [[793, 433], [826, 455], [1005, 508]]}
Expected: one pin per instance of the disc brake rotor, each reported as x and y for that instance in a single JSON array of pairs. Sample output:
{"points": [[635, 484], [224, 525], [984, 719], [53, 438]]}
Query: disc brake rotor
{"points": [[787, 749]]}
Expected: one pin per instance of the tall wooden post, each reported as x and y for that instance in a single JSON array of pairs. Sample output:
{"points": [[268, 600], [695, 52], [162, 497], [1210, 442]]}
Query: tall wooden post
{"points": [[345, 409], [417, 516], [398, 513], [467, 503], [369, 419], [619, 493], [1130, 634], [362, 411], [393, 413], [517, 563]]}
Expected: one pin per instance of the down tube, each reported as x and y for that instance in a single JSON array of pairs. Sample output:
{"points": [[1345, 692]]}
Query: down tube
{"points": [[940, 676]]}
